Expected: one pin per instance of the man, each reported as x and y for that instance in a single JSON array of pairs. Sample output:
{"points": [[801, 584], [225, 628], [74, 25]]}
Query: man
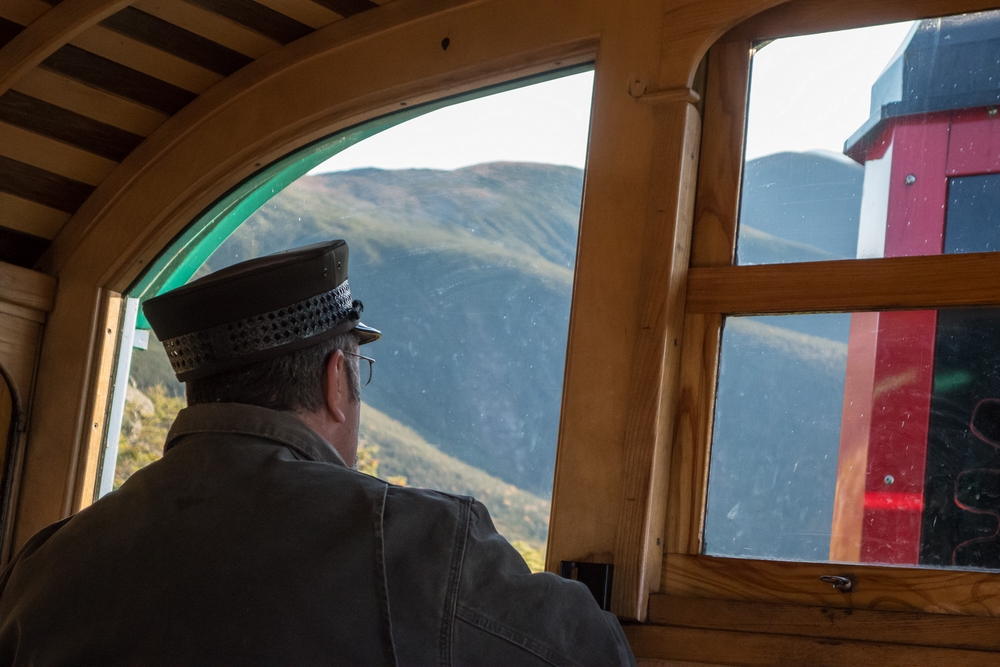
{"points": [[254, 542]]}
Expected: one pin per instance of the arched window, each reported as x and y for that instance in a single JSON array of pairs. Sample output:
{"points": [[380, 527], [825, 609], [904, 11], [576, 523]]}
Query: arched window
{"points": [[462, 219]]}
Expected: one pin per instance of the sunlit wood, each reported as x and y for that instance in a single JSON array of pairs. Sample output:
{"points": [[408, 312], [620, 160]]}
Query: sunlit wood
{"points": [[146, 59], [54, 156], [936, 281], [26, 288], [90, 102], [30, 217], [883, 588]]}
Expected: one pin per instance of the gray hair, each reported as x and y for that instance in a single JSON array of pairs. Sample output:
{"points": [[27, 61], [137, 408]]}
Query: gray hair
{"points": [[294, 381]]}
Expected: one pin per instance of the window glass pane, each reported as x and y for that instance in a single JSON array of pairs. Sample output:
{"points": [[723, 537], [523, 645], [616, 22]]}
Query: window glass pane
{"points": [[462, 226], [864, 437], [860, 141]]}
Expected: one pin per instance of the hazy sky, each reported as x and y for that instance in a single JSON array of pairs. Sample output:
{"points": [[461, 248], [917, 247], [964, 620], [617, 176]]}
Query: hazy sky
{"points": [[546, 122], [808, 93], [813, 92]]}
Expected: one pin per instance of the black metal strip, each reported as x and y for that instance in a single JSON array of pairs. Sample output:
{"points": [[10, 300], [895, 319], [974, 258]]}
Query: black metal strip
{"points": [[168, 37], [53, 121], [43, 187], [20, 248], [118, 79], [8, 31], [347, 7], [258, 18]]}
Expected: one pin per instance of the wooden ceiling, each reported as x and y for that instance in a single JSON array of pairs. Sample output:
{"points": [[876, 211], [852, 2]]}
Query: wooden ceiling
{"points": [[67, 123]]}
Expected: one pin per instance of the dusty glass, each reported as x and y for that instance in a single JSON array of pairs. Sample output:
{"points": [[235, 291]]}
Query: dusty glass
{"points": [[468, 273], [864, 437], [859, 141]]}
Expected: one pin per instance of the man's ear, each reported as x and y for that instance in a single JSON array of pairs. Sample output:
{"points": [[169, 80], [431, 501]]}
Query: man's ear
{"points": [[337, 390]]}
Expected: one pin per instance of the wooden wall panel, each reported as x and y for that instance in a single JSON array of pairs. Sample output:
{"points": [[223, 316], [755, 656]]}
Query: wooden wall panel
{"points": [[60, 410], [692, 431], [27, 288]]}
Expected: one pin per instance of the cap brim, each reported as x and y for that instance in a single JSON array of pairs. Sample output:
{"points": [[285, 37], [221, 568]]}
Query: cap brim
{"points": [[366, 334]]}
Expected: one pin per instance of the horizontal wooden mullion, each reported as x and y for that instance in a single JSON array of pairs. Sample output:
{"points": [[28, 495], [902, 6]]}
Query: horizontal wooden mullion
{"points": [[43, 187], [947, 630], [937, 281], [167, 37], [750, 649], [52, 121], [30, 217], [903, 589], [118, 79]]}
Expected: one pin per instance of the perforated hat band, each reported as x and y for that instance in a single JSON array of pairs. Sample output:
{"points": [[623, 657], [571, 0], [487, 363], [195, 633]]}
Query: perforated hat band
{"points": [[229, 345]]}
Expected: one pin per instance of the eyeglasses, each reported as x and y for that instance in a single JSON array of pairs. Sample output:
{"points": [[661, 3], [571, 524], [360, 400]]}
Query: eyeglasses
{"points": [[364, 372]]}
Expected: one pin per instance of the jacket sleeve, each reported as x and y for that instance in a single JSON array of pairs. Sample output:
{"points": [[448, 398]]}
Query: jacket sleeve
{"points": [[506, 615]]}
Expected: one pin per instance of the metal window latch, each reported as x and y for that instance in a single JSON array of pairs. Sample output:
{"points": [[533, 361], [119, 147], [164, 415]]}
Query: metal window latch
{"points": [[595, 576], [843, 583]]}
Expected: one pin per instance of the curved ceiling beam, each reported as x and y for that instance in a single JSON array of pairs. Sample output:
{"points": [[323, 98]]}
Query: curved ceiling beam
{"points": [[50, 32]]}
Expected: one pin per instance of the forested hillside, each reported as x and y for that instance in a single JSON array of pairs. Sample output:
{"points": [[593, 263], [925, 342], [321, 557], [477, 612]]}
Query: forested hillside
{"points": [[469, 273]]}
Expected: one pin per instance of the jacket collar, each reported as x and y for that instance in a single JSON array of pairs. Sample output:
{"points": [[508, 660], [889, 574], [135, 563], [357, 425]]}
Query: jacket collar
{"points": [[283, 428]]}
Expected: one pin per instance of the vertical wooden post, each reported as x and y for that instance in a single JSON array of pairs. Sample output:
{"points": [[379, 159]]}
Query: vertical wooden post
{"points": [[656, 357]]}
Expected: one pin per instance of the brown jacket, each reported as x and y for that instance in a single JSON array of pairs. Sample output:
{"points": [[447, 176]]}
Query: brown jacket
{"points": [[251, 543]]}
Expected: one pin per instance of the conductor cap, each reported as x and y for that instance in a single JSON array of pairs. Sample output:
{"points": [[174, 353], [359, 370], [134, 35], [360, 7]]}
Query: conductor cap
{"points": [[256, 310]]}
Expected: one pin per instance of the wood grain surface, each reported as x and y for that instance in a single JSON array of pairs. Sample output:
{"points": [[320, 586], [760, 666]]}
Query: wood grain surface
{"points": [[209, 25], [695, 406], [27, 288], [936, 281], [882, 588], [721, 165], [30, 217], [748, 649], [655, 360], [946, 630]]}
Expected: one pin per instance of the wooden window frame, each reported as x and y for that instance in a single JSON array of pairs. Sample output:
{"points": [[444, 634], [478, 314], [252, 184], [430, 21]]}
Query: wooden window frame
{"points": [[717, 288]]}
